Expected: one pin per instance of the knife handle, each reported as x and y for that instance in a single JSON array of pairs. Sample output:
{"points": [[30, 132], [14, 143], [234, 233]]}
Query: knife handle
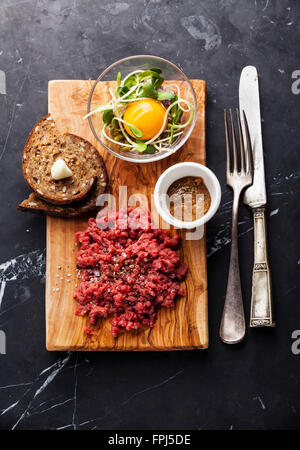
{"points": [[261, 303]]}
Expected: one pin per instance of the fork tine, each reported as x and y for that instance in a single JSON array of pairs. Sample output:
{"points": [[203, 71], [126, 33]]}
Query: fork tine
{"points": [[227, 143], [249, 147], [233, 143], [242, 148]]}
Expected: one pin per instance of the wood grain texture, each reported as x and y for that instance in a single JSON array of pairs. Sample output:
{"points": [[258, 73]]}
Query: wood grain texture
{"points": [[183, 327]]}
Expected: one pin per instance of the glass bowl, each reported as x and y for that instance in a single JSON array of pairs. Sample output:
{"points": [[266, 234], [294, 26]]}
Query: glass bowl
{"points": [[99, 95]]}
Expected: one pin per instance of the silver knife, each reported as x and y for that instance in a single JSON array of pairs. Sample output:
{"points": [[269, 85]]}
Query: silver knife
{"points": [[255, 197]]}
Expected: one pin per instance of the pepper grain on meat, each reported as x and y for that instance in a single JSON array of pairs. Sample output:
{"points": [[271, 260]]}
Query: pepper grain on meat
{"points": [[127, 271]]}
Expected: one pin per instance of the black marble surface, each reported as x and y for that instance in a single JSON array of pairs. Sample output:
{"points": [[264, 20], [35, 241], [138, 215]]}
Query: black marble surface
{"points": [[254, 385]]}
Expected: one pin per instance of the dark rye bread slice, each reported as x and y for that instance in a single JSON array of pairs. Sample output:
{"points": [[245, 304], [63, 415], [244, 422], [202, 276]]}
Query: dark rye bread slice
{"points": [[43, 147], [34, 204]]}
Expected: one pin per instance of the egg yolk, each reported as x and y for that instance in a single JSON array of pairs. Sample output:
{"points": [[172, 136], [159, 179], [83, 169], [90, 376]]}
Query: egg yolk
{"points": [[147, 115]]}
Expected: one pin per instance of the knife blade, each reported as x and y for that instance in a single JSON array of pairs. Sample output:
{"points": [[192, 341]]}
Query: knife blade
{"points": [[255, 197]]}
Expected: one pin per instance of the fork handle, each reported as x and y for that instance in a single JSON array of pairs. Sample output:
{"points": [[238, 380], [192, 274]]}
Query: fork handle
{"points": [[261, 314], [232, 329]]}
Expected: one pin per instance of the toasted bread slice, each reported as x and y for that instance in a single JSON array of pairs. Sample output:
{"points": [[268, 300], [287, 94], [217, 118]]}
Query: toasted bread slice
{"points": [[35, 204], [43, 147]]}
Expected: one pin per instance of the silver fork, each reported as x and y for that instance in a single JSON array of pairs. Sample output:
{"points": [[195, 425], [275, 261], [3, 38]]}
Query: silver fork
{"points": [[232, 329]]}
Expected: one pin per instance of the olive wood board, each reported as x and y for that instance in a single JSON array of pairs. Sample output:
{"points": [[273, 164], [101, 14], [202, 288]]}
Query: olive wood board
{"points": [[184, 327]]}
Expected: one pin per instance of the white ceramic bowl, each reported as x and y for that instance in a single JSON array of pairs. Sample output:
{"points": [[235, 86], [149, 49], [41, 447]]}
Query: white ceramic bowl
{"points": [[186, 169]]}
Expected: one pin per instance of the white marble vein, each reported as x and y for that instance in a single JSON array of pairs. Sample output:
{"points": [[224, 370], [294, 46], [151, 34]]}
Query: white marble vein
{"points": [[57, 368], [131, 397], [22, 267], [56, 405], [75, 394], [9, 386], [274, 212], [14, 111], [9, 408], [259, 399], [50, 378]]}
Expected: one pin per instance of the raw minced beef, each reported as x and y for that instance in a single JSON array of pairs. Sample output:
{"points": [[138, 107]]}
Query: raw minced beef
{"points": [[127, 270]]}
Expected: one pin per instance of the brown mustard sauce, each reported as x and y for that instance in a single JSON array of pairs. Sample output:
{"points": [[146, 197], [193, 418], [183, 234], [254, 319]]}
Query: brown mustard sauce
{"points": [[189, 198]]}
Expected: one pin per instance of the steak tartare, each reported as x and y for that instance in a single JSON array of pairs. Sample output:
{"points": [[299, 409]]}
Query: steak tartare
{"points": [[127, 270]]}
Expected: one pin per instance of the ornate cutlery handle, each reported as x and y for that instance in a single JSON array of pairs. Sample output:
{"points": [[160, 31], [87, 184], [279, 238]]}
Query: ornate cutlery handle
{"points": [[232, 329], [261, 303]]}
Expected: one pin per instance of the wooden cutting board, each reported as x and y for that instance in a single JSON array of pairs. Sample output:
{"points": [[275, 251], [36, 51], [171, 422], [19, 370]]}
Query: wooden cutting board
{"points": [[183, 327]]}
